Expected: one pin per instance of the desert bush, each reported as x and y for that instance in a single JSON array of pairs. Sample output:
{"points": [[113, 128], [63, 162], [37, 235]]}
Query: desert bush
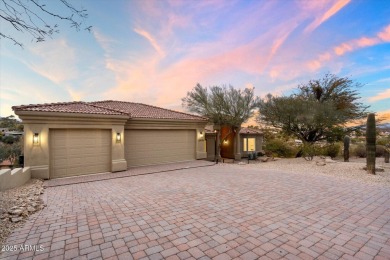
{"points": [[332, 150], [360, 151], [8, 139], [383, 141], [311, 150], [380, 151], [279, 148]]}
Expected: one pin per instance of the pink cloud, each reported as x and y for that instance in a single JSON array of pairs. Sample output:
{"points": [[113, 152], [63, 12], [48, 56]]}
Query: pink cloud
{"points": [[382, 95], [336, 7], [384, 116], [382, 36], [163, 79], [151, 40], [385, 34], [343, 48], [349, 46]]}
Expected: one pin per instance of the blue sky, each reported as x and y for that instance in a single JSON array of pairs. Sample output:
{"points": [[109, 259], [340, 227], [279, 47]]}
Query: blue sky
{"points": [[153, 52]]}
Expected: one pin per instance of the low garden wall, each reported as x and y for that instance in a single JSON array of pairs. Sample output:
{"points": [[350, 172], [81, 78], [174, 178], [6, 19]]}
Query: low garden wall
{"points": [[13, 178]]}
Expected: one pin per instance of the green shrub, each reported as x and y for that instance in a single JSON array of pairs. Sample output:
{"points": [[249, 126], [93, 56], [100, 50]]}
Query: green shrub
{"points": [[383, 141], [279, 148], [310, 150], [380, 151], [360, 151], [332, 150], [8, 139]]}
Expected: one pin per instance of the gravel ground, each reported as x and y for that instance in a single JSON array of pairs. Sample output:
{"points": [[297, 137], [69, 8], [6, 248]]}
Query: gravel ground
{"points": [[17, 204], [338, 168]]}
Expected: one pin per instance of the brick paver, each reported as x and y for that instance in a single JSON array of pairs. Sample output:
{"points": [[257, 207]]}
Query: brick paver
{"points": [[218, 212]]}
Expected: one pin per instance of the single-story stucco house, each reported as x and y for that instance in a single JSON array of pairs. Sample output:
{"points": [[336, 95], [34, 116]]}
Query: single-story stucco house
{"points": [[78, 138], [250, 140]]}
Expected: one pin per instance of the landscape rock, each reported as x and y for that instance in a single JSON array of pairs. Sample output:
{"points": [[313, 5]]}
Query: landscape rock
{"points": [[14, 220], [265, 159], [321, 163], [18, 204], [31, 209], [15, 212]]}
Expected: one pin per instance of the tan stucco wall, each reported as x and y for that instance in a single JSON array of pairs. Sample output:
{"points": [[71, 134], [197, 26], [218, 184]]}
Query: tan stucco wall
{"points": [[14, 178], [37, 156], [118, 149], [201, 152]]}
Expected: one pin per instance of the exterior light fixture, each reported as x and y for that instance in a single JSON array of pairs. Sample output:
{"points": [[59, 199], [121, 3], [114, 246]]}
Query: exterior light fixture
{"points": [[36, 139], [201, 134], [118, 137], [225, 141]]}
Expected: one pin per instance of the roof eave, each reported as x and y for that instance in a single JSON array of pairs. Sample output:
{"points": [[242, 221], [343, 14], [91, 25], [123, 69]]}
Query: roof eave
{"points": [[24, 113]]}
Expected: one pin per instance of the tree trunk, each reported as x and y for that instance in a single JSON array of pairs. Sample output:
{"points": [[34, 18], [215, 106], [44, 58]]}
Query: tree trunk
{"points": [[237, 154]]}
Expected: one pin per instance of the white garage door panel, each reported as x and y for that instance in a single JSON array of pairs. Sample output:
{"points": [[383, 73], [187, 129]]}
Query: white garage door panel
{"points": [[148, 147], [78, 152]]}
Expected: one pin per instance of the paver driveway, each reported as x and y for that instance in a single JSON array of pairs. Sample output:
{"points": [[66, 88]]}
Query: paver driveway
{"points": [[221, 212]]}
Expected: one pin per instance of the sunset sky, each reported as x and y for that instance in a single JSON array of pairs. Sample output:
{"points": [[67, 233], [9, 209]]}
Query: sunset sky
{"points": [[153, 52]]}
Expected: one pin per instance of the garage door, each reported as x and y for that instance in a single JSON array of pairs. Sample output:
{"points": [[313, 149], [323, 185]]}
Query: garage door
{"points": [[78, 152], [148, 147]]}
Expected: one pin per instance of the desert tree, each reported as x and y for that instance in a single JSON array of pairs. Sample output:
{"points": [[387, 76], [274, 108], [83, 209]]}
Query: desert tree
{"points": [[319, 110], [37, 19], [222, 105], [11, 123], [11, 151]]}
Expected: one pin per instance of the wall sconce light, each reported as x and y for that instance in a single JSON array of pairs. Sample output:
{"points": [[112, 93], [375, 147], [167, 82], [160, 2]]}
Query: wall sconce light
{"points": [[118, 137], [200, 134], [225, 141], [36, 139]]}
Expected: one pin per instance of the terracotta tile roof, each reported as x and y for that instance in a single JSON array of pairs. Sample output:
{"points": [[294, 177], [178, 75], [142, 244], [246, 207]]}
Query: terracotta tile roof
{"points": [[244, 130], [68, 107], [110, 107], [138, 110]]}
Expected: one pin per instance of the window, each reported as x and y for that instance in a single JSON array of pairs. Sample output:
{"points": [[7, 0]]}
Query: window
{"points": [[249, 144]]}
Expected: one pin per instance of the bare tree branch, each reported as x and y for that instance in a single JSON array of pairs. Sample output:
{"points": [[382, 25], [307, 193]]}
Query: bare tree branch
{"points": [[31, 16]]}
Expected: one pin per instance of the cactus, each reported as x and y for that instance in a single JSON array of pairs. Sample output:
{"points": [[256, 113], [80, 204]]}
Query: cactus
{"points": [[387, 151], [371, 143], [346, 148]]}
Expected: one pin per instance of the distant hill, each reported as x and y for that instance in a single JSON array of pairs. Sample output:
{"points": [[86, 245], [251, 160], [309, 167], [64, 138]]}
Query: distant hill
{"points": [[385, 125]]}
